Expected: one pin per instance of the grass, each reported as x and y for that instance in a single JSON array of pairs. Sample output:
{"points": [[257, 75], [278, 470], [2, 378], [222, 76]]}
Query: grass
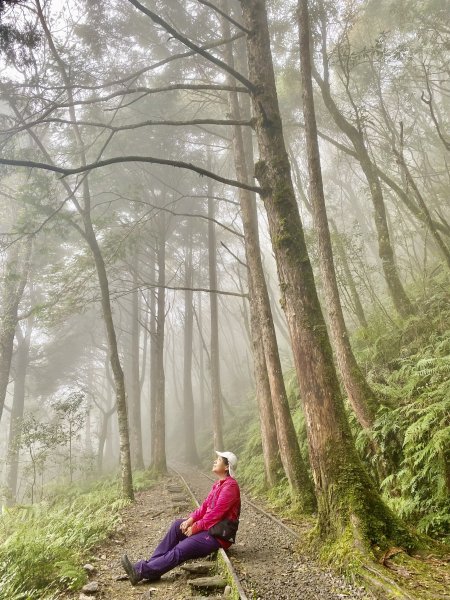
{"points": [[44, 546]]}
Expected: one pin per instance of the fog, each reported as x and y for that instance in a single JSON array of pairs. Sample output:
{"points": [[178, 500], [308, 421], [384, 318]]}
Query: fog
{"points": [[126, 320]]}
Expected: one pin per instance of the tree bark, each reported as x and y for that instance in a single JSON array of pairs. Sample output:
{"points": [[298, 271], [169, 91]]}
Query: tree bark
{"points": [[348, 502], [216, 391], [190, 447]]}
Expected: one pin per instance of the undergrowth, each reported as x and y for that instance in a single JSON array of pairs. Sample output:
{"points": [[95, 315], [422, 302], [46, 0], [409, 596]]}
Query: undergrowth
{"points": [[44, 546]]}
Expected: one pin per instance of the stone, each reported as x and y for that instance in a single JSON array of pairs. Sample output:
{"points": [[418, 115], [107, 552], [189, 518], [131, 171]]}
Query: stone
{"points": [[148, 594], [89, 568], [199, 568], [90, 588], [84, 597], [208, 583], [178, 498], [174, 488], [227, 590]]}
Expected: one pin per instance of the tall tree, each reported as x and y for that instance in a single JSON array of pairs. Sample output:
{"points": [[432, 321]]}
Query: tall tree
{"points": [[348, 503], [275, 409], [13, 286], [190, 446], [355, 134], [158, 460], [17, 410], [92, 241], [360, 395], [216, 390]]}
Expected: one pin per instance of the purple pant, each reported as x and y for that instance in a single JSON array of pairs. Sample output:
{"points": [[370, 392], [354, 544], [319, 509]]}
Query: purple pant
{"points": [[174, 549]]}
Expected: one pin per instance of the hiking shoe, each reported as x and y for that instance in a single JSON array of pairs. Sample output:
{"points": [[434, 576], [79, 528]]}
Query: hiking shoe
{"points": [[130, 570]]}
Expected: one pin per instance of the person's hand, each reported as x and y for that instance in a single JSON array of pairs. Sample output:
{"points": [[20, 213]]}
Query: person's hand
{"points": [[185, 524], [188, 531]]}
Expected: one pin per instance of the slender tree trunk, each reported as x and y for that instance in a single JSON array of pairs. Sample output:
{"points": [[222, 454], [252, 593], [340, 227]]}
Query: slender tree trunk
{"points": [[360, 395], [134, 400], [159, 456], [15, 424], [216, 392], [275, 408], [16, 276], [201, 366], [348, 503], [116, 367], [356, 301], [426, 216], [108, 454], [190, 447], [385, 250], [153, 347]]}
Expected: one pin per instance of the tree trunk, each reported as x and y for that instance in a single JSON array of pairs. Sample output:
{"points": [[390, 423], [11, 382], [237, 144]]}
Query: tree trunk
{"points": [[190, 447], [116, 367], [15, 423], [358, 308], [16, 276], [275, 408], [134, 399], [360, 395], [348, 503], [216, 392], [159, 447], [426, 216], [201, 360], [399, 298], [153, 346]]}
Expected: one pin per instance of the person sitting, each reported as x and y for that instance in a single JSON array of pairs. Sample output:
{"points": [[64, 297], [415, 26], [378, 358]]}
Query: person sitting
{"points": [[190, 538]]}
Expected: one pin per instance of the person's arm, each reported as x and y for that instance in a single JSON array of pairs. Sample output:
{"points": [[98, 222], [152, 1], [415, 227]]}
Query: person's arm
{"points": [[227, 497], [199, 512]]}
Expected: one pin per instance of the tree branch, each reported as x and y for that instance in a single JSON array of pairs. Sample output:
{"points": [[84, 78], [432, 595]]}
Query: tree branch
{"points": [[220, 63], [225, 16], [116, 128], [126, 159]]}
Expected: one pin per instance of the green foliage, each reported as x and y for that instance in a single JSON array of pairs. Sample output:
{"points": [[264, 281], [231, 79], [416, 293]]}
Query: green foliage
{"points": [[44, 546], [409, 367], [418, 490]]}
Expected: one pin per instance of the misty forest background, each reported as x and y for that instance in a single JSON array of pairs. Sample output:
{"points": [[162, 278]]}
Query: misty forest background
{"points": [[182, 272]]}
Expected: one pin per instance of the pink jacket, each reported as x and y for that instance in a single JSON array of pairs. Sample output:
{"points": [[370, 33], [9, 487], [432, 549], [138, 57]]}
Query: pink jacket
{"points": [[222, 502]]}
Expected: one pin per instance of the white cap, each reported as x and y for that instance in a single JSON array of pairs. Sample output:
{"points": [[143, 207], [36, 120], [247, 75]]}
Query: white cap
{"points": [[232, 461]]}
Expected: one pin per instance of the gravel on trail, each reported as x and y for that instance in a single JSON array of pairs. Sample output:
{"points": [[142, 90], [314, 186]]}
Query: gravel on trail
{"points": [[267, 558], [269, 561], [144, 524]]}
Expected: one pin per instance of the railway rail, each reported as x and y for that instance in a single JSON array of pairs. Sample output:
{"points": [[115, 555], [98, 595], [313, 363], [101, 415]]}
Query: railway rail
{"points": [[268, 562]]}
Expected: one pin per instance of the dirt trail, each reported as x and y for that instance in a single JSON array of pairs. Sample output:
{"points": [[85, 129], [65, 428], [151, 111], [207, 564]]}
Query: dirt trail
{"points": [[265, 555], [268, 560], [144, 523]]}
